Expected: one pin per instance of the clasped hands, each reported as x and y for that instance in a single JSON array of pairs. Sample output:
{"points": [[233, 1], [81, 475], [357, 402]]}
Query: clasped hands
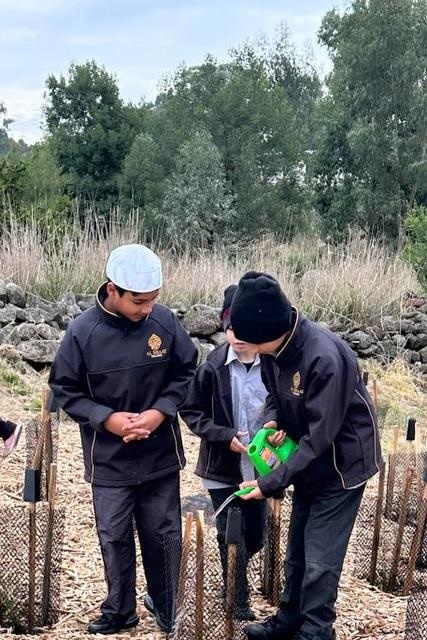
{"points": [[134, 426]]}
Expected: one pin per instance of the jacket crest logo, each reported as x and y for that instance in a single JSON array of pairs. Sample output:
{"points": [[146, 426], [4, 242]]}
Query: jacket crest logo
{"points": [[154, 343], [296, 381]]}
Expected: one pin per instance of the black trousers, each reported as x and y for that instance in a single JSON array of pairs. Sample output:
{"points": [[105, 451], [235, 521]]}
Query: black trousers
{"points": [[154, 506], [6, 429], [253, 534], [319, 531]]}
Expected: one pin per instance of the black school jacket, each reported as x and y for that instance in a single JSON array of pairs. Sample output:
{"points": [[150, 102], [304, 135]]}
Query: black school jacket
{"points": [[317, 396], [208, 412], [107, 363]]}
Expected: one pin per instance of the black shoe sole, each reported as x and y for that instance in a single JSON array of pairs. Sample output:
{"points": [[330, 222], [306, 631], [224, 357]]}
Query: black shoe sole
{"points": [[128, 625]]}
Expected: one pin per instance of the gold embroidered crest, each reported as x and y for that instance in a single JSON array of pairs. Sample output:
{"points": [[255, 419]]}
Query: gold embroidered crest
{"points": [[155, 342], [296, 381]]}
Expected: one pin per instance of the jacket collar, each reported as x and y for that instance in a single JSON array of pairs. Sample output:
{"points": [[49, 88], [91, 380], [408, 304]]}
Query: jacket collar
{"points": [[232, 356], [293, 343], [114, 319]]}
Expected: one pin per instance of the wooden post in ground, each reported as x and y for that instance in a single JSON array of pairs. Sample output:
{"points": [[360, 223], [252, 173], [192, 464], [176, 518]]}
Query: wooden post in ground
{"points": [[266, 555], [275, 558], [391, 476], [200, 573], [183, 569], [400, 529], [32, 495], [377, 527], [46, 425], [48, 543], [416, 543], [233, 537]]}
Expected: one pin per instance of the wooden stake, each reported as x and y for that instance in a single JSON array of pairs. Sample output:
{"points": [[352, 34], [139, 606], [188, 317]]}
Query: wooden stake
{"points": [[266, 574], [391, 472], [377, 527], [231, 591], [276, 560], [46, 424], [416, 544], [200, 573], [375, 393], [183, 570], [401, 526], [48, 544], [31, 564]]}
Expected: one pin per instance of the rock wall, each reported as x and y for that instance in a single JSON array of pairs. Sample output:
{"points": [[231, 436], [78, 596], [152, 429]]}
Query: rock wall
{"points": [[33, 328]]}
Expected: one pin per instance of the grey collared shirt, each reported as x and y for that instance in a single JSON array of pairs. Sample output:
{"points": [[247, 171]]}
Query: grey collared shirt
{"points": [[248, 397]]}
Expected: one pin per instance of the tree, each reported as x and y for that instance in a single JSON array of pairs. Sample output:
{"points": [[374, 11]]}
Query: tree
{"points": [[370, 161], [258, 110], [197, 206], [8, 144], [415, 249], [92, 130]]}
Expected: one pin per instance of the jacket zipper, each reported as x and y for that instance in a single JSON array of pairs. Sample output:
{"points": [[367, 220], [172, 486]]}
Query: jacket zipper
{"points": [[181, 466], [373, 426], [92, 447], [334, 457], [92, 458]]}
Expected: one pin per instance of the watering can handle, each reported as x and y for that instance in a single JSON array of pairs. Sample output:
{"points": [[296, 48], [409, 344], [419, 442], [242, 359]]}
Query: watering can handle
{"points": [[243, 492]]}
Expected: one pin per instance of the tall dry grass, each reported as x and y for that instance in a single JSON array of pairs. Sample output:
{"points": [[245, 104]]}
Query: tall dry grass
{"points": [[357, 282]]}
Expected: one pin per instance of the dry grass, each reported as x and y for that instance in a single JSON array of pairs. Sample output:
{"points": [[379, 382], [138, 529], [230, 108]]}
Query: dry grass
{"points": [[357, 282], [401, 395]]}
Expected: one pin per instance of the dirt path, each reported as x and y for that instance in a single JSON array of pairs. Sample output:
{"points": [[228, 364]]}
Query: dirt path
{"points": [[363, 612]]}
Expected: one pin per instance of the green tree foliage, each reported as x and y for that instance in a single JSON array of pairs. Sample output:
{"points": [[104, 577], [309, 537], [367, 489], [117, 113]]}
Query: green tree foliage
{"points": [[197, 207], [416, 242], [258, 110], [370, 161], [7, 144], [91, 128], [12, 185]]}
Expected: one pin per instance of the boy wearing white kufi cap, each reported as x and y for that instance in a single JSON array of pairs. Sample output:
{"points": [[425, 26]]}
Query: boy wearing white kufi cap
{"points": [[122, 373]]}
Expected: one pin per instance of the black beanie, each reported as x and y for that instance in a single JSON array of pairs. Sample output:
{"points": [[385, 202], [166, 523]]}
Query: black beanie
{"points": [[260, 311], [225, 311]]}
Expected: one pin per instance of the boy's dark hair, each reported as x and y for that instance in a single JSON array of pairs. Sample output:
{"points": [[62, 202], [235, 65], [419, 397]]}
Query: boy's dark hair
{"points": [[121, 291], [226, 306]]}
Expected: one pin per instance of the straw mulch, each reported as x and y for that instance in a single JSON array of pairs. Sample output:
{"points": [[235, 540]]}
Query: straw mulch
{"points": [[363, 612]]}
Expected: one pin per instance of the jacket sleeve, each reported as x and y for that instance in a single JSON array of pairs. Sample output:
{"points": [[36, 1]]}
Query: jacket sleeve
{"points": [[182, 370], [68, 383], [197, 411], [270, 410], [328, 396]]}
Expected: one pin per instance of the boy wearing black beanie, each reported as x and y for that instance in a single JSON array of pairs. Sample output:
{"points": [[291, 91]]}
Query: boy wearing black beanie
{"points": [[224, 407], [316, 394]]}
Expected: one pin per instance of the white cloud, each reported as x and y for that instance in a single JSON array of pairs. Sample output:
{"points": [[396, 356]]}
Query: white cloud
{"points": [[24, 107]]}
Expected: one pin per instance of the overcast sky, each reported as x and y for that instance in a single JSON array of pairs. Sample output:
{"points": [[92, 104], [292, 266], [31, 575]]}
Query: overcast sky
{"points": [[138, 40]]}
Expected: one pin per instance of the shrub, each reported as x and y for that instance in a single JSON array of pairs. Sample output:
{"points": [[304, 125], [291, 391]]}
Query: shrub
{"points": [[415, 250]]}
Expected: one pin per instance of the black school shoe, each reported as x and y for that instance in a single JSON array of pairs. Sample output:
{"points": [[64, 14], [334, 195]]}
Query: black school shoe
{"points": [[112, 624], [149, 605], [270, 629]]}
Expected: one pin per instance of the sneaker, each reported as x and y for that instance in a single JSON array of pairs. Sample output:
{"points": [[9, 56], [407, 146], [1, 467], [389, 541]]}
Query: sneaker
{"points": [[270, 629], [149, 605], [11, 442], [112, 624]]}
